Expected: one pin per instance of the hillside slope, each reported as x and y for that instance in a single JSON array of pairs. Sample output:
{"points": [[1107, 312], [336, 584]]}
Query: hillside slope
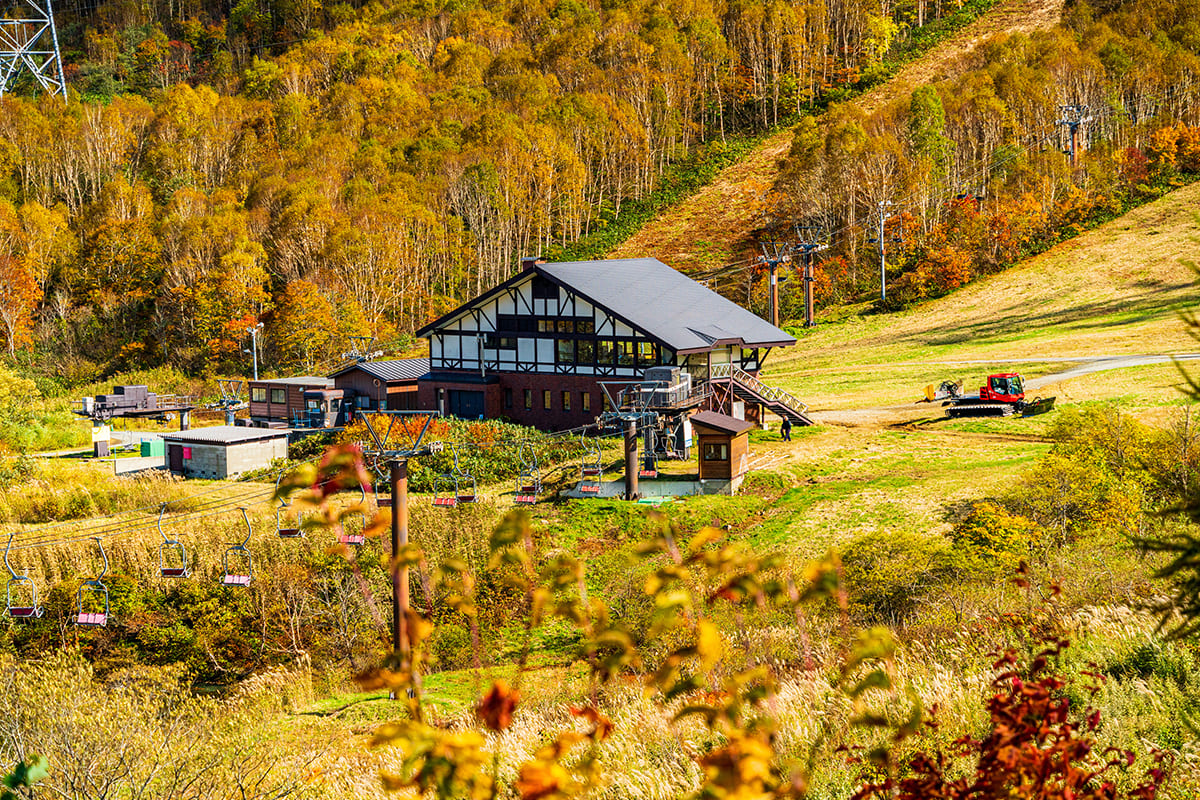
{"points": [[1115, 290], [712, 228]]}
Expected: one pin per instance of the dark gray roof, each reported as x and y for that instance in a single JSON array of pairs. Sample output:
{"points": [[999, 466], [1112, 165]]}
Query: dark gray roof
{"points": [[223, 434], [721, 422], [300, 380], [402, 369], [661, 301]]}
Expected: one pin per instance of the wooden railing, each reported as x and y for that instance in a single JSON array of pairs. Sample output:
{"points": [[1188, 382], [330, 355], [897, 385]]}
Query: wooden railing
{"points": [[770, 394]]}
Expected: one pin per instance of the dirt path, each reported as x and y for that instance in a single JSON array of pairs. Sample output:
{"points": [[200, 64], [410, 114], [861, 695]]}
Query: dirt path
{"points": [[712, 227]]}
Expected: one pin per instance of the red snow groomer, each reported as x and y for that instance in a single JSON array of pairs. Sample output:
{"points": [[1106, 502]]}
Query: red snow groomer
{"points": [[1002, 396]]}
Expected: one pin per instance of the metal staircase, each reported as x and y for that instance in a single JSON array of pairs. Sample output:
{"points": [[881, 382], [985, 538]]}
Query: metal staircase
{"points": [[741, 384]]}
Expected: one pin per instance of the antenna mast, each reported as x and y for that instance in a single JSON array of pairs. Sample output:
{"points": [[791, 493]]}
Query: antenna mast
{"points": [[30, 43]]}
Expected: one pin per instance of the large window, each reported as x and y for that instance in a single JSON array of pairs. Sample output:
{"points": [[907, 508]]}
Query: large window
{"points": [[544, 288], [646, 354], [279, 395], [585, 351], [511, 323], [604, 351], [565, 350], [258, 394], [625, 353]]}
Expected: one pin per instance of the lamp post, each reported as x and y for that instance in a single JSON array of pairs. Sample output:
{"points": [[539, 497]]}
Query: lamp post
{"points": [[253, 331]]}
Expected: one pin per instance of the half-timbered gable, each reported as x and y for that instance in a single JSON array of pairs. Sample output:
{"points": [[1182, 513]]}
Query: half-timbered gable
{"points": [[534, 347]]}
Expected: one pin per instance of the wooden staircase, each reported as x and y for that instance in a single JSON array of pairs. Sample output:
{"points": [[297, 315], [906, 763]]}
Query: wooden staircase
{"points": [[741, 384]]}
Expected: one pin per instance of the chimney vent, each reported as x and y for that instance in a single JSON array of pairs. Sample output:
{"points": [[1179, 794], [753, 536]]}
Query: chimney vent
{"points": [[529, 262]]}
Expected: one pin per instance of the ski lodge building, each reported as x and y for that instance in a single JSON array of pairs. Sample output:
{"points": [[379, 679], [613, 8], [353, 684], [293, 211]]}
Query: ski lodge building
{"points": [[535, 348]]}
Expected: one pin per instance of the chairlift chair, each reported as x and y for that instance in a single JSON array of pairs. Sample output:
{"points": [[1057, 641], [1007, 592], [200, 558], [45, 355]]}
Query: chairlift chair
{"points": [[241, 556], [383, 501], [649, 465], [172, 556], [284, 530], [94, 588], [591, 467], [445, 491], [358, 538], [529, 481], [282, 526], [461, 479], [20, 587]]}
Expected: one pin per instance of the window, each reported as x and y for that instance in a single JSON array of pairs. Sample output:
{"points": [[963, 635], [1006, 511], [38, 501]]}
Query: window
{"points": [[510, 323], [508, 398], [566, 326], [566, 400], [604, 351], [279, 395], [529, 399], [585, 351], [258, 394], [363, 401], [546, 399], [544, 288], [716, 452], [545, 326], [625, 353], [586, 401], [566, 351], [495, 342], [585, 326], [646, 354]]}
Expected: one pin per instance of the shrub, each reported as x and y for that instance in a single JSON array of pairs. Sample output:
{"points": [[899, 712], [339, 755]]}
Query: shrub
{"points": [[887, 574], [991, 540]]}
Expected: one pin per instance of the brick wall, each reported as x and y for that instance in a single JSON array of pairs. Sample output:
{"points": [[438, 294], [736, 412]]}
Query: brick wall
{"points": [[556, 417]]}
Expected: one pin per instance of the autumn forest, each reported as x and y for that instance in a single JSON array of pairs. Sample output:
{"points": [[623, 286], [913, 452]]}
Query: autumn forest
{"points": [[296, 163]]}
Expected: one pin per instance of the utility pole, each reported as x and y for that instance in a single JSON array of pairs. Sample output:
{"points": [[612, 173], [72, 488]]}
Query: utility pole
{"points": [[253, 331], [882, 208], [30, 42], [774, 254], [1073, 117], [809, 242]]}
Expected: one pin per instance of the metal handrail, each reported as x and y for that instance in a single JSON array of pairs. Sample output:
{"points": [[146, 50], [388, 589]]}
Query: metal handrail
{"points": [[771, 394]]}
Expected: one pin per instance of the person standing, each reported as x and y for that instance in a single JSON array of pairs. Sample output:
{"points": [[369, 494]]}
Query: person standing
{"points": [[785, 430]]}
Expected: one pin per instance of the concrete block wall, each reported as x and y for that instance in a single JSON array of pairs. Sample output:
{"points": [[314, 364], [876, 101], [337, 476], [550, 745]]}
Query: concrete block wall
{"points": [[215, 461]]}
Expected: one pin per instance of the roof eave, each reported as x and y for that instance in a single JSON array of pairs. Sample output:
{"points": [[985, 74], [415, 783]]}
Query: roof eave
{"points": [[723, 342], [424, 332]]}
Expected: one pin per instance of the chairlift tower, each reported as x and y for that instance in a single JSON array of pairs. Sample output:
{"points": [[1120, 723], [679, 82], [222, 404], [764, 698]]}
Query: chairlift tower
{"points": [[1072, 117], [882, 208], [29, 43], [809, 242], [774, 255], [392, 442]]}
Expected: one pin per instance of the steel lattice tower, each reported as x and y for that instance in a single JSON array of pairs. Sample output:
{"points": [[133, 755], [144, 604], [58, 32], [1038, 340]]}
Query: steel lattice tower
{"points": [[30, 43]]}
